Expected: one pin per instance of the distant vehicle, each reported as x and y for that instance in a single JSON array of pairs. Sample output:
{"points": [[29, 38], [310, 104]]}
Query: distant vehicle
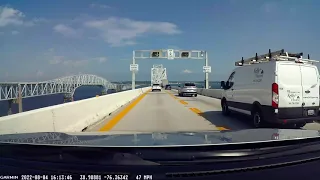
{"points": [[168, 87], [279, 90], [164, 83], [188, 89], [156, 87]]}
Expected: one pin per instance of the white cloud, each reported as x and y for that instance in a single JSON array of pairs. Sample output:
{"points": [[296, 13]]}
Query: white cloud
{"points": [[93, 5], [10, 16], [123, 31], [14, 32], [186, 71], [66, 31]]}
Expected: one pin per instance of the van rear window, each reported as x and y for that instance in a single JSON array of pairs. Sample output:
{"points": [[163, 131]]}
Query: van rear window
{"points": [[309, 75], [289, 74]]}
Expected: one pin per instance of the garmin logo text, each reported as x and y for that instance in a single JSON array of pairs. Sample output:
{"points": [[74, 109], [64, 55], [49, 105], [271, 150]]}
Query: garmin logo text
{"points": [[9, 177]]}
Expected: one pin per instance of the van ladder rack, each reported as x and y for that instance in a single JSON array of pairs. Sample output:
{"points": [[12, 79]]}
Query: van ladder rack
{"points": [[280, 55]]}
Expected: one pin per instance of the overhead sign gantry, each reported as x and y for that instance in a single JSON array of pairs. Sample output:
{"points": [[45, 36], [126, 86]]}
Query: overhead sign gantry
{"points": [[170, 54]]}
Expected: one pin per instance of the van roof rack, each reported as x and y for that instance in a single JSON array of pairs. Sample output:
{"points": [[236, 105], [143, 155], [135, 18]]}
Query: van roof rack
{"points": [[279, 55]]}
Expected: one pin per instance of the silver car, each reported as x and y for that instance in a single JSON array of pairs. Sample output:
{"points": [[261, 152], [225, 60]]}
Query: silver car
{"points": [[188, 89]]}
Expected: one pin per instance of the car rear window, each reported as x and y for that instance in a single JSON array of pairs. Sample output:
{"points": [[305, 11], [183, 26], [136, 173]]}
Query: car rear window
{"points": [[156, 84], [189, 84]]}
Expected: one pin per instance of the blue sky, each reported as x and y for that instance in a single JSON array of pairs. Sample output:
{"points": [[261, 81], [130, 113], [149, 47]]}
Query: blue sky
{"points": [[41, 41]]}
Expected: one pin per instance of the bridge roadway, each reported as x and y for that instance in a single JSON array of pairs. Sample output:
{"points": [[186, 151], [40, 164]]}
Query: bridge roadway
{"points": [[166, 111]]}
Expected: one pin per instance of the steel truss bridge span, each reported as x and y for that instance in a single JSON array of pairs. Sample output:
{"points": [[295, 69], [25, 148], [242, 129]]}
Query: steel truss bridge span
{"points": [[66, 85]]}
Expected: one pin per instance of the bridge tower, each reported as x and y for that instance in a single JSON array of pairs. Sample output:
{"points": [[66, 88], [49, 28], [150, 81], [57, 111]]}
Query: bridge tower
{"points": [[158, 74]]}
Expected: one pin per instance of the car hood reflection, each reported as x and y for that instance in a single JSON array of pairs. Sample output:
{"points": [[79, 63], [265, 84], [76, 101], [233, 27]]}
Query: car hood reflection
{"points": [[158, 138]]}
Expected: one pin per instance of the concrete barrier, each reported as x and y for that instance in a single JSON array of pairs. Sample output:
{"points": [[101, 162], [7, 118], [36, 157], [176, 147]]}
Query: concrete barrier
{"points": [[68, 117], [215, 93]]}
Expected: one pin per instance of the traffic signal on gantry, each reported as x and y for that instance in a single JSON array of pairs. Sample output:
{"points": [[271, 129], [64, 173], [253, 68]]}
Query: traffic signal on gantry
{"points": [[184, 54], [155, 54]]}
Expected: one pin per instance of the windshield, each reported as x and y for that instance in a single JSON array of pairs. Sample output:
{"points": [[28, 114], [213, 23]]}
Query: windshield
{"points": [[97, 68]]}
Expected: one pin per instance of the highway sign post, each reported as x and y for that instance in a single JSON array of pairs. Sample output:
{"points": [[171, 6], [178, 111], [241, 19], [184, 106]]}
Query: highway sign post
{"points": [[172, 54], [134, 67], [207, 69]]}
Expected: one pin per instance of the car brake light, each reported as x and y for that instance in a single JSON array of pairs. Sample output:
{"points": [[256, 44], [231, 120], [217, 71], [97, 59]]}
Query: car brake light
{"points": [[275, 95], [275, 136]]}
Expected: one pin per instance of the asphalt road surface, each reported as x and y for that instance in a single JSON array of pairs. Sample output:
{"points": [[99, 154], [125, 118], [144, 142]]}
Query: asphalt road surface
{"points": [[165, 111]]}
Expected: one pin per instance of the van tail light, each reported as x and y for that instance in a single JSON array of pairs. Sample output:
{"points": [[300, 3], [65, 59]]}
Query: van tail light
{"points": [[275, 95]]}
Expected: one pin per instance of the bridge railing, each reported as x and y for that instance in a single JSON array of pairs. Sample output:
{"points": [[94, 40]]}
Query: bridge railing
{"points": [[15, 90]]}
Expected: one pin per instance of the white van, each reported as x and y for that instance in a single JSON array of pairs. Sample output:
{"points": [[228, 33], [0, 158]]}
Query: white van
{"points": [[280, 90], [156, 87]]}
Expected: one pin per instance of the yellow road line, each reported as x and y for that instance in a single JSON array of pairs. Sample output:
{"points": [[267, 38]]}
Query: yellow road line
{"points": [[199, 112], [172, 95], [195, 110], [222, 128], [121, 114], [183, 102]]}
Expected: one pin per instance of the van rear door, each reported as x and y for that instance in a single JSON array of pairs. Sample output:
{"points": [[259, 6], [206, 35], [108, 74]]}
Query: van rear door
{"points": [[310, 89], [290, 90]]}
